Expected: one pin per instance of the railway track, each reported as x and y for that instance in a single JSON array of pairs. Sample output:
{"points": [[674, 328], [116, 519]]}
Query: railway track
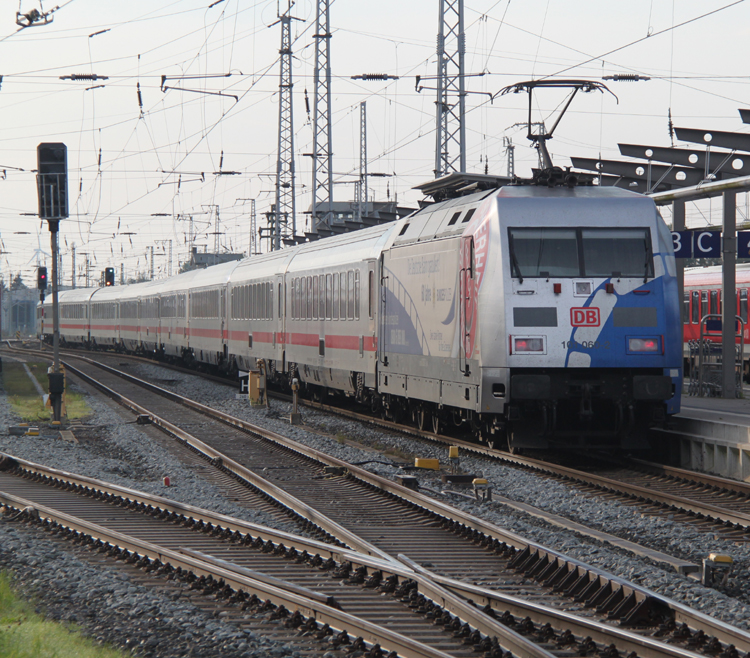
{"points": [[428, 532], [377, 605], [719, 505]]}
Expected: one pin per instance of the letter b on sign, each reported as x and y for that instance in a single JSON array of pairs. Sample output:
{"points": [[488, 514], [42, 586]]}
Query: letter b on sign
{"points": [[584, 317]]}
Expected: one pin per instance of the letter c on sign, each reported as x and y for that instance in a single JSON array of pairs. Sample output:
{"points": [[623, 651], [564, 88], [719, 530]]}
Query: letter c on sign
{"points": [[699, 241]]}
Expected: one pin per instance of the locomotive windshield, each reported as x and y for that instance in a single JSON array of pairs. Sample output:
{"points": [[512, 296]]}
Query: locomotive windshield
{"points": [[577, 252]]}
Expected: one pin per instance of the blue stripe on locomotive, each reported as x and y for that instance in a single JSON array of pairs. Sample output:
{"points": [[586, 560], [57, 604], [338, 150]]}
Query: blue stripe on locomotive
{"points": [[663, 295]]}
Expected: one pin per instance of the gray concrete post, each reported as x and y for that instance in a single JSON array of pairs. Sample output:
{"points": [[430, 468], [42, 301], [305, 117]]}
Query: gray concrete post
{"points": [[729, 294]]}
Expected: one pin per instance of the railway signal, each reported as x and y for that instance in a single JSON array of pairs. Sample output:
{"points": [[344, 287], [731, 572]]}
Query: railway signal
{"points": [[41, 278], [52, 195], [109, 276]]}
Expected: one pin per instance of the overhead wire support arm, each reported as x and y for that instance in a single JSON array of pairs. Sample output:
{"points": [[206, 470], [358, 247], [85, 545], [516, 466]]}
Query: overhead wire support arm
{"points": [[165, 87], [35, 18]]}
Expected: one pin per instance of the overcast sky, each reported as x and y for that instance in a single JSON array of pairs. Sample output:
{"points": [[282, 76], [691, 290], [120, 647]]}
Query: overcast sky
{"points": [[137, 172]]}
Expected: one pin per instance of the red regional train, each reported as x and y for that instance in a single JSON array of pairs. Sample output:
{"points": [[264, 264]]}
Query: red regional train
{"points": [[702, 297]]}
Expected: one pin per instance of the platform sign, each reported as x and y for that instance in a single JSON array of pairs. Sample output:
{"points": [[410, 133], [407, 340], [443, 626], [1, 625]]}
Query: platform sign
{"points": [[700, 244], [683, 244], [743, 244], [707, 244]]}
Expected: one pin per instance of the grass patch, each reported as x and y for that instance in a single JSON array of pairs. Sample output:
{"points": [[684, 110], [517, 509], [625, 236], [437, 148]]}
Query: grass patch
{"points": [[25, 399], [25, 634], [400, 454], [341, 437]]}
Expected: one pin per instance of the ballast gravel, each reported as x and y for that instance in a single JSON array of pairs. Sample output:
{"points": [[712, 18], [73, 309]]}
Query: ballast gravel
{"points": [[730, 603], [102, 600], [132, 459]]}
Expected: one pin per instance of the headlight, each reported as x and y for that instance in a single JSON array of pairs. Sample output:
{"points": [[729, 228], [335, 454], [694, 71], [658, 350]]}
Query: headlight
{"points": [[528, 345], [641, 345]]}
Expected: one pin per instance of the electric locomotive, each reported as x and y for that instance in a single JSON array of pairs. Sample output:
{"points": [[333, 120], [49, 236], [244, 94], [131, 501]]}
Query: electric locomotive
{"points": [[539, 316]]}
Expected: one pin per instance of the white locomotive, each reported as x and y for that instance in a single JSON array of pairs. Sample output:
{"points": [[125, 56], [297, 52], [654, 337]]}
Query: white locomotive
{"points": [[538, 315]]}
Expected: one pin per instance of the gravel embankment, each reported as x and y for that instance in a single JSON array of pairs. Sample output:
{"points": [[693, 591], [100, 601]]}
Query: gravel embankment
{"points": [[731, 605]]}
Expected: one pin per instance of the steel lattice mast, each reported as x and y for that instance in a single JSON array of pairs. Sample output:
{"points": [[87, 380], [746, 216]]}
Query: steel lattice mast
{"points": [[322, 183], [362, 187], [450, 137], [285, 210]]}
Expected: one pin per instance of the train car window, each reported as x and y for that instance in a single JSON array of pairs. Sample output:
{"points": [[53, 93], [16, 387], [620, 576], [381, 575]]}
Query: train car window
{"points": [[246, 302], [534, 250], [704, 303], [626, 251], [743, 304], [713, 302], [279, 306], [294, 299], [454, 219], [350, 307], [696, 310], [308, 305], [344, 295], [315, 297], [468, 215], [370, 293], [322, 299], [356, 294], [329, 296], [335, 295], [269, 297]]}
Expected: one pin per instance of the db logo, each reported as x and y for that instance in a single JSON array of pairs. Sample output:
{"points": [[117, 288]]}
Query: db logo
{"points": [[584, 317]]}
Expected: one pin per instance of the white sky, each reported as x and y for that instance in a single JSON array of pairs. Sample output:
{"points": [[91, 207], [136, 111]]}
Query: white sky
{"points": [[700, 70]]}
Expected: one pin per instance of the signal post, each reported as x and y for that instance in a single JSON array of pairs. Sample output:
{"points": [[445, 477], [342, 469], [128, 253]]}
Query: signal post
{"points": [[52, 194]]}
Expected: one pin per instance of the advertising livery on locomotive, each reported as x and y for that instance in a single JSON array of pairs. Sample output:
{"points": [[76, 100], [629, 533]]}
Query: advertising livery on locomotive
{"points": [[534, 315]]}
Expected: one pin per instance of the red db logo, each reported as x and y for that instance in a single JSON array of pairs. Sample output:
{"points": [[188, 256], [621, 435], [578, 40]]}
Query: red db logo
{"points": [[584, 317]]}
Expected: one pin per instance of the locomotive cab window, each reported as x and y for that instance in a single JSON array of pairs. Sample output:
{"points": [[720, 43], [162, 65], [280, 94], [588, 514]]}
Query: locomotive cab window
{"points": [[743, 304], [574, 252]]}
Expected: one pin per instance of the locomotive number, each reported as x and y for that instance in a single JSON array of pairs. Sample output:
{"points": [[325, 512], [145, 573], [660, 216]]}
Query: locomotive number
{"points": [[587, 344]]}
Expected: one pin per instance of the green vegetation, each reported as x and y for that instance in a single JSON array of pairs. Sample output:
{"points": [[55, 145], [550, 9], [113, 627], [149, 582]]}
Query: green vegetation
{"points": [[25, 634], [398, 453], [25, 399]]}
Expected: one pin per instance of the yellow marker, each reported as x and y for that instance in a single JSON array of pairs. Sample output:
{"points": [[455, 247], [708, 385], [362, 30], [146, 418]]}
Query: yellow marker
{"points": [[453, 452], [718, 557], [479, 482], [432, 464], [32, 431]]}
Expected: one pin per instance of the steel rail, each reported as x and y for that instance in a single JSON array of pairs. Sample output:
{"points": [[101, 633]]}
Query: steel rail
{"points": [[310, 607], [531, 551], [699, 478], [331, 527], [442, 590], [642, 645]]}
